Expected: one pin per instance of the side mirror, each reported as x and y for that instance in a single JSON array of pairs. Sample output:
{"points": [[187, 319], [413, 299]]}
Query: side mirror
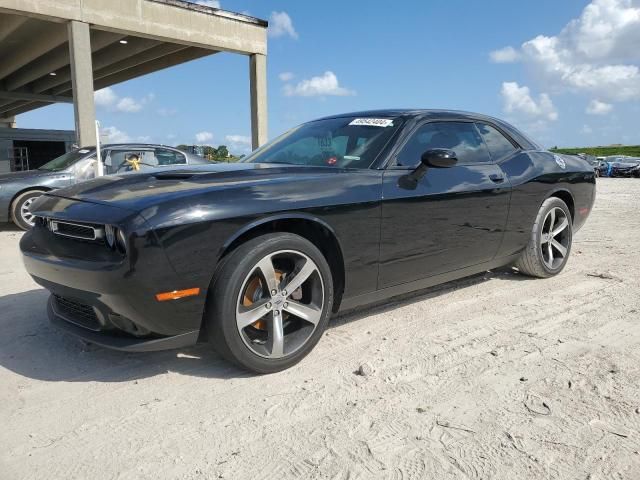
{"points": [[439, 158]]}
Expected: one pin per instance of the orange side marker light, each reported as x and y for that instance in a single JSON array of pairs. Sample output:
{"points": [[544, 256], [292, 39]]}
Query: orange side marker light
{"points": [[176, 294]]}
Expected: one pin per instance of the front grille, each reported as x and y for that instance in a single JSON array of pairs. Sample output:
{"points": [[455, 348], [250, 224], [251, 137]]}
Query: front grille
{"points": [[74, 230], [78, 313], [77, 231]]}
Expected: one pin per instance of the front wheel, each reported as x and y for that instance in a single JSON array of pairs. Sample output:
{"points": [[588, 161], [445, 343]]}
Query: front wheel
{"points": [[21, 209], [549, 242], [270, 302]]}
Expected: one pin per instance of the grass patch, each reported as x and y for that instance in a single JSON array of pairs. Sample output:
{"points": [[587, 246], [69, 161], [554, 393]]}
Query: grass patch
{"points": [[632, 151]]}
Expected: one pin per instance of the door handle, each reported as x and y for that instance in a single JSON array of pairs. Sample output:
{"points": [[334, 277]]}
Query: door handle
{"points": [[496, 177]]}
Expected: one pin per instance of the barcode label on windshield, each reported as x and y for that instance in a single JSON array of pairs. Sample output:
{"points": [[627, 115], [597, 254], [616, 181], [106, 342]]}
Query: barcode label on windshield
{"points": [[372, 122]]}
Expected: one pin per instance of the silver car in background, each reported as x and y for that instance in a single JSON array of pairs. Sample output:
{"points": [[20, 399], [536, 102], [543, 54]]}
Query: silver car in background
{"points": [[18, 190]]}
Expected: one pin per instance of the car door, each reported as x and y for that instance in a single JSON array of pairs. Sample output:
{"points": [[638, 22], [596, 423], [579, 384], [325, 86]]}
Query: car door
{"points": [[450, 218]]}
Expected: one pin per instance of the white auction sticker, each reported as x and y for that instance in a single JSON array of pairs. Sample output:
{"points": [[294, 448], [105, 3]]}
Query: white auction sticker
{"points": [[372, 122]]}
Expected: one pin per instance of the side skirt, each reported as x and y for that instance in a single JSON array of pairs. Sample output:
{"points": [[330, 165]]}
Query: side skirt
{"points": [[389, 292]]}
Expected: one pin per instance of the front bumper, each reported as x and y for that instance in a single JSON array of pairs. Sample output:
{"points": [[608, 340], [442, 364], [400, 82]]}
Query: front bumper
{"points": [[110, 300], [116, 340]]}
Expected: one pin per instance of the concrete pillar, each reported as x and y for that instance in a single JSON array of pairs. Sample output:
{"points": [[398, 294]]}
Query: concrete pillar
{"points": [[7, 122], [258, 81], [82, 82]]}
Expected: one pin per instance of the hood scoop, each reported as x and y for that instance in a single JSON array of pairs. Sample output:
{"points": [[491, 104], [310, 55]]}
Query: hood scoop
{"points": [[179, 175]]}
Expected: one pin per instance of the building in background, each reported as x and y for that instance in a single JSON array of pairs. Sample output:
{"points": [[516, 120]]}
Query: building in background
{"points": [[27, 149]]}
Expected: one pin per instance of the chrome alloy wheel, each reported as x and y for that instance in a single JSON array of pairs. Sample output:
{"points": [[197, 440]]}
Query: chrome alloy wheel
{"points": [[280, 304], [25, 212], [555, 238]]}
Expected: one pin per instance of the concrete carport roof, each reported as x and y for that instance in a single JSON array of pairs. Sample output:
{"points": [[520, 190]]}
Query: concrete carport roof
{"points": [[62, 50]]}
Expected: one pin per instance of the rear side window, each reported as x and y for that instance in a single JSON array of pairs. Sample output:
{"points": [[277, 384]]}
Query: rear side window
{"points": [[165, 156], [461, 137], [497, 143]]}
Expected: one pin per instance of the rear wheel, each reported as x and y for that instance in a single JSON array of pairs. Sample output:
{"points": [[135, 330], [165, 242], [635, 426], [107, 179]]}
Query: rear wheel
{"points": [[269, 303], [549, 242], [20, 209]]}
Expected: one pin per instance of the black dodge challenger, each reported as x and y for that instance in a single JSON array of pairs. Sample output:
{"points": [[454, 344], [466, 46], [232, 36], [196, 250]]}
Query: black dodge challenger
{"points": [[255, 256]]}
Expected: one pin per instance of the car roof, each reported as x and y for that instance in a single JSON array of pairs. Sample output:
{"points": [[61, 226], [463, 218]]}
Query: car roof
{"points": [[130, 145], [136, 145], [425, 113], [415, 112]]}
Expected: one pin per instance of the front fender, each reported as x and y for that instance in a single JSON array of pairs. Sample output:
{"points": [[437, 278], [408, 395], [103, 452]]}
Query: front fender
{"points": [[273, 218]]}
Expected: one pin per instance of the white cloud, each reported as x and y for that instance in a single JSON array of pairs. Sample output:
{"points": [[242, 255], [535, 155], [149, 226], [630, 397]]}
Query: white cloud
{"points": [[109, 99], [586, 130], [105, 97], [209, 3], [323, 85], [129, 105], [239, 139], [113, 135], [144, 139], [596, 53], [238, 143], [202, 137], [518, 100], [286, 76], [280, 24], [596, 107], [505, 55]]}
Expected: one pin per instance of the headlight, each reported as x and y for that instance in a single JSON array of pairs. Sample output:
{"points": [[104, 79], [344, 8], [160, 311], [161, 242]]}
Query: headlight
{"points": [[115, 238]]}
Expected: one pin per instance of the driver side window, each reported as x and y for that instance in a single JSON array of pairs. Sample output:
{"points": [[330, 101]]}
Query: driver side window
{"points": [[461, 137]]}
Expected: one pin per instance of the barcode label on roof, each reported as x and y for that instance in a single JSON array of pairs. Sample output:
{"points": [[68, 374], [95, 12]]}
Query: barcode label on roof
{"points": [[372, 122]]}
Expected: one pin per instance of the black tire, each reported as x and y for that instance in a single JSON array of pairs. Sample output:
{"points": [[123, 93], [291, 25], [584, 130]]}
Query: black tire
{"points": [[534, 260], [225, 294], [17, 215]]}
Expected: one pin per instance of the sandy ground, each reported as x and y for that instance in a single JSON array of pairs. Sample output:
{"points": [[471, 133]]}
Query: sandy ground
{"points": [[495, 376]]}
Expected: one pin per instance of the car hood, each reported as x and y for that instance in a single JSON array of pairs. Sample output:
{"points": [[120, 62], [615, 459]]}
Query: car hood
{"points": [[138, 191], [16, 176]]}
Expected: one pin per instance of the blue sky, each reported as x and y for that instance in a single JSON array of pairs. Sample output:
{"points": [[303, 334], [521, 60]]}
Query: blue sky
{"points": [[564, 71]]}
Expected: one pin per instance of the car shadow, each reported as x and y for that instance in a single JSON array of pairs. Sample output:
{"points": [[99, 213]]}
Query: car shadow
{"points": [[33, 348], [10, 227], [502, 273]]}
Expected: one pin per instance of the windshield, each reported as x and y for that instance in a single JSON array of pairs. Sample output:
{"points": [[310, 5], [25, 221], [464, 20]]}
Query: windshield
{"points": [[66, 160], [346, 142]]}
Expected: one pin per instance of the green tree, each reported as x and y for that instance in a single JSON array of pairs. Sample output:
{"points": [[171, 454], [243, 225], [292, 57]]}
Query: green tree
{"points": [[223, 152], [211, 153]]}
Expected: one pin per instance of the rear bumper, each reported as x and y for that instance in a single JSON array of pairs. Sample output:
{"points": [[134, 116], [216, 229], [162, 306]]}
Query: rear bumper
{"points": [[116, 341]]}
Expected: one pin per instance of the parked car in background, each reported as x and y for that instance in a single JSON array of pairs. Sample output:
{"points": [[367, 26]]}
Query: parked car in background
{"points": [[602, 169], [255, 256], [18, 190], [623, 168]]}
